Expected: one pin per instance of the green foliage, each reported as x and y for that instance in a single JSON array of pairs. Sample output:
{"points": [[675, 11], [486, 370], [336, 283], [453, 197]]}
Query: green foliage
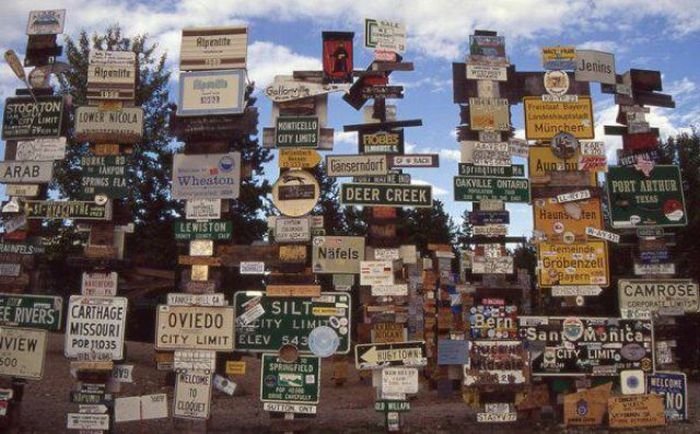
{"points": [[429, 225]]}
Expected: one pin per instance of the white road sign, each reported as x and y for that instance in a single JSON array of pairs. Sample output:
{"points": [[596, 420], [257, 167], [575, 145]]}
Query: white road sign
{"points": [[95, 327]]}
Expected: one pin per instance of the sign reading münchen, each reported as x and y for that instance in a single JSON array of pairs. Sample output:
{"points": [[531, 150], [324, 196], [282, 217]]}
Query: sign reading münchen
{"points": [[543, 119], [419, 196], [206, 176]]}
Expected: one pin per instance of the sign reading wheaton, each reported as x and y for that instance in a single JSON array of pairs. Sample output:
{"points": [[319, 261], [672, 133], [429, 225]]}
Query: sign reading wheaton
{"points": [[206, 176]]}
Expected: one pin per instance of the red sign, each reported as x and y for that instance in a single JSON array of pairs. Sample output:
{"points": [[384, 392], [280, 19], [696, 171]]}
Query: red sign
{"points": [[641, 141], [337, 57]]}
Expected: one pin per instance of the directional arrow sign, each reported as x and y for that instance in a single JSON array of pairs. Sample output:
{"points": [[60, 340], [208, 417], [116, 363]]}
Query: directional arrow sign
{"points": [[92, 408], [377, 356], [575, 291]]}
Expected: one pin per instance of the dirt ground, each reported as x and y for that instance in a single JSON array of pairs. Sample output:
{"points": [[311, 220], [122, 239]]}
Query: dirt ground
{"points": [[347, 409]]}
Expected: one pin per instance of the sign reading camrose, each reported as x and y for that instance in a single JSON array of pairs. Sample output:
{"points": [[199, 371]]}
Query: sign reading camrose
{"points": [[419, 196], [194, 327], [656, 294], [210, 176]]}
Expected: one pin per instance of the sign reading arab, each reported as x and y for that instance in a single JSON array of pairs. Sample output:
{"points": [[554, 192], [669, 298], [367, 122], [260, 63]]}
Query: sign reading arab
{"points": [[579, 346], [658, 294], [204, 93], [333, 254], [206, 176], [25, 118], [578, 263], [654, 198]]}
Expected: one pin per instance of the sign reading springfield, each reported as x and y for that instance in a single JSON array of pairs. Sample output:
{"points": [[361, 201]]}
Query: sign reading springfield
{"points": [[654, 198], [392, 195]]}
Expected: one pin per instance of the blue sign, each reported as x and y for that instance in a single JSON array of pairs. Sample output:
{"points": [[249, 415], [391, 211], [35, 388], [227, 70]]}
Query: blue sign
{"points": [[489, 217], [674, 387], [654, 256], [452, 352]]}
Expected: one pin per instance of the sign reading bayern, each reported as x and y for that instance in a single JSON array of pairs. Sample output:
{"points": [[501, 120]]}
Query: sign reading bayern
{"points": [[206, 176]]}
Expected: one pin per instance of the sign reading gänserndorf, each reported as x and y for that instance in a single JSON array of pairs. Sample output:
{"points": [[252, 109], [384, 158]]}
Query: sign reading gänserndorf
{"points": [[203, 230], [474, 189], [22, 352], [34, 311], [639, 200], [674, 388], [655, 294], [296, 132], [419, 196], [95, 327], [297, 382], [104, 175], [206, 176], [26, 118]]}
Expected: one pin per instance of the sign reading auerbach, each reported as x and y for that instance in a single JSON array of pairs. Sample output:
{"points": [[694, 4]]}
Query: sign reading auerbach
{"points": [[419, 196], [26, 119], [578, 346]]}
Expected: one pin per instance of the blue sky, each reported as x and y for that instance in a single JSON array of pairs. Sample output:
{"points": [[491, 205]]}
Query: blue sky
{"points": [[285, 35]]}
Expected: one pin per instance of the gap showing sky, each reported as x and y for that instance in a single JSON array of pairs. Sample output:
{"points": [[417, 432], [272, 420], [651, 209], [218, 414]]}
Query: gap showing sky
{"points": [[285, 35]]}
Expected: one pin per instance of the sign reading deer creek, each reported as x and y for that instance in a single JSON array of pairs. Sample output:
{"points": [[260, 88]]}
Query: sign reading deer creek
{"points": [[474, 189], [35, 311], [544, 119], [116, 126], [658, 294], [22, 352], [26, 119], [205, 230], [206, 176], [266, 323], [579, 346], [297, 382], [95, 327], [639, 199], [579, 263], [194, 327], [104, 175], [205, 93], [419, 196]]}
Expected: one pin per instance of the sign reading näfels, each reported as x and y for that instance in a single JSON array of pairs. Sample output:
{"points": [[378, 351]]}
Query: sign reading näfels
{"points": [[419, 196], [118, 126], [25, 118], [337, 254]]}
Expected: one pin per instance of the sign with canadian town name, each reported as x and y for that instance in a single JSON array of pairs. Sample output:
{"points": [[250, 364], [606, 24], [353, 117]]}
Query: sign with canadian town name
{"points": [[381, 142], [544, 119], [22, 352], [210, 176], [266, 323], [96, 327], [213, 48], [296, 132], [192, 398], [487, 171], [41, 149], [297, 382], [580, 346], [26, 172], [553, 220], [640, 200], [81, 210], [204, 93], [673, 386], [334, 254], [382, 355], [474, 189], [34, 311], [204, 230], [356, 165], [419, 196], [105, 175], [658, 294], [26, 119], [578, 263], [114, 126], [194, 327], [111, 75]]}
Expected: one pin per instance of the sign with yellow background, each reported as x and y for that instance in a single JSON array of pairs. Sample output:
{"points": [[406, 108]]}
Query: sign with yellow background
{"points": [[544, 119], [579, 263], [542, 160], [553, 220]]}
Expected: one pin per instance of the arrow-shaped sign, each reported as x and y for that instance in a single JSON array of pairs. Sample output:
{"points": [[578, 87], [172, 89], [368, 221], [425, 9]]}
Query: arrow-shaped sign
{"points": [[376, 356], [574, 291]]}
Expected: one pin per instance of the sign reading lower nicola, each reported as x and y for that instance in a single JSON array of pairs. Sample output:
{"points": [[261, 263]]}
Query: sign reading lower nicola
{"points": [[392, 195]]}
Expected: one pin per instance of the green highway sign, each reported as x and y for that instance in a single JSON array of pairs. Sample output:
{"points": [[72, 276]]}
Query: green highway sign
{"points": [[33, 311], [654, 198], [104, 175], [61, 209], [472, 170], [264, 324], [298, 382], [506, 189], [391, 405], [205, 230], [391, 195], [296, 132]]}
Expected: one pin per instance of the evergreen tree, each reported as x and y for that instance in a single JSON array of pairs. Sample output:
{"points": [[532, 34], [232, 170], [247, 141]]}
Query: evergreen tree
{"points": [[328, 206], [429, 225], [465, 231]]}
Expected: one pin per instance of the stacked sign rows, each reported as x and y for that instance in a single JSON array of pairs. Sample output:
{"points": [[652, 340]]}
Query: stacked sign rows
{"points": [[212, 119], [32, 128]]}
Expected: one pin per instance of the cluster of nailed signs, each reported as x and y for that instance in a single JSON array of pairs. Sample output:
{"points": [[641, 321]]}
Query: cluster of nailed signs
{"points": [[473, 327]]}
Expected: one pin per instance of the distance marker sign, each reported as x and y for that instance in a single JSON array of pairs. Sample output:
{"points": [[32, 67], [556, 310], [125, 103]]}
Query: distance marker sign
{"points": [[392, 195]]}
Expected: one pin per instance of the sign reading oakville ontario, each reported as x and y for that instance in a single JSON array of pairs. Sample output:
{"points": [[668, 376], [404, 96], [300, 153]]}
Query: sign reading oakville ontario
{"points": [[289, 320], [35, 311], [206, 176], [474, 189], [391, 195], [194, 327], [22, 351], [95, 326], [298, 382], [544, 119], [206, 93], [25, 119], [655, 294]]}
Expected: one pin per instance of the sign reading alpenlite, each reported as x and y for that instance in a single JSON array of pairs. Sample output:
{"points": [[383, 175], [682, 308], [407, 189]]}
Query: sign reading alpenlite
{"points": [[419, 196]]}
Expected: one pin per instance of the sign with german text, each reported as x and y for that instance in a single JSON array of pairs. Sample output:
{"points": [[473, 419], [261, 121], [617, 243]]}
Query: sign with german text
{"points": [[554, 220], [356, 165], [578, 263], [658, 294], [96, 327], [474, 189], [192, 398], [543, 119], [210, 48], [26, 172], [109, 126], [419, 196], [25, 118], [543, 163], [34, 311], [210, 176], [334, 254], [80, 210], [204, 93], [22, 352], [592, 65], [298, 382], [194, 327]]}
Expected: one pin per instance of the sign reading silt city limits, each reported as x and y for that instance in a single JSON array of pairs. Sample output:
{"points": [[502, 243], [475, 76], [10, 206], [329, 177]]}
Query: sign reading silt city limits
{"points": [[381, 355], [419, 196], [264, 324]]}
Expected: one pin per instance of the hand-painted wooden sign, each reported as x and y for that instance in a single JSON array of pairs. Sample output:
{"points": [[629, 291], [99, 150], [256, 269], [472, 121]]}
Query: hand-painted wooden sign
{"points": [[116, 126], [207, 48], [80, 210]]}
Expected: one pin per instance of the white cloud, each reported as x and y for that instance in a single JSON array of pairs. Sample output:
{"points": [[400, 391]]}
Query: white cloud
{"points": [[608, 46], [437, 191], [345, 138], [266, 59]]}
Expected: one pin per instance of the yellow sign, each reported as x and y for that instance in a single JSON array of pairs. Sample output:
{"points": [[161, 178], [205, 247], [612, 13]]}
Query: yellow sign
{"points": [[544, 119], [579, 263], [299, 158], [595, 401], [558, 57], [542, 161], [635, 411], [235, 368], [489, 114], [554, 220], [327, 311]]}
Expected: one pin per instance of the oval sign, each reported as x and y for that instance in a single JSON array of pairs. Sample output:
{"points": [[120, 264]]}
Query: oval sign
{"points": [[633, 352], [323, 341], [295, 193]]}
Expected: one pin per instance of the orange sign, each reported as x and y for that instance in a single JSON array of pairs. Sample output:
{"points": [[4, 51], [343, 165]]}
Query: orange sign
{"points": [[556, 221], [635, 411]]}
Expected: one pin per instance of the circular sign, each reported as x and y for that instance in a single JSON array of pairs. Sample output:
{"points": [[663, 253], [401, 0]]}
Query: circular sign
{"points": [[101, 199], [564, 145], [323, 341], [288, 353], [295, 193], [556, 82], [572, 328]]}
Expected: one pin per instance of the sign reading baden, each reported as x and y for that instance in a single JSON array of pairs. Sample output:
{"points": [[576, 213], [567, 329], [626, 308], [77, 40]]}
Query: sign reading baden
{"points": [[207, 176]]}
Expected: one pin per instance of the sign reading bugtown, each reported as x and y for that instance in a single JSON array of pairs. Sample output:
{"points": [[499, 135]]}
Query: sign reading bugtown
{"points": [[206, 176], [579, 263], [104, 175], [22, 352], [579, 346], [95, 327], [545, 119], [639, 199], [35, 311], [81, 210], [109, 126], [213, 48], [266, 323], [205, 93], [658, 294], [25, 118], [419, 196], [194, 327], [297, 382]]}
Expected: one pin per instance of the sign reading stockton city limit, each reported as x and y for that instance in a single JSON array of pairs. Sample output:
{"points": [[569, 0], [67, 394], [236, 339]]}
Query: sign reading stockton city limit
{"points": [[25, 118], [206, 176], [419, 196], [637, 199], [473, 189]]}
